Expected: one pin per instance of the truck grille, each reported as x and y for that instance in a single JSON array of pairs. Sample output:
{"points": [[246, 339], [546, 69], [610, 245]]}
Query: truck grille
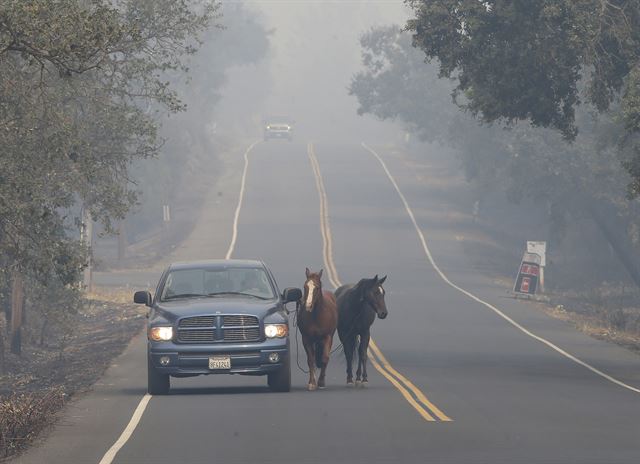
{"points": [[250, 334], [198, 321], [204, 329], [196, 336], [239, 320]]}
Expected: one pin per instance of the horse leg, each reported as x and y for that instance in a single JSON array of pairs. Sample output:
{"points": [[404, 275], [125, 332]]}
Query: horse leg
{"points": [[364, 356], [310, 348], [326, 352], [359, 371], [349, 348]]}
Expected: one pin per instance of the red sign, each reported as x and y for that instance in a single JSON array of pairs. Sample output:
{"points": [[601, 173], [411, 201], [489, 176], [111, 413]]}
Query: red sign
{"points": [[528, 274]]}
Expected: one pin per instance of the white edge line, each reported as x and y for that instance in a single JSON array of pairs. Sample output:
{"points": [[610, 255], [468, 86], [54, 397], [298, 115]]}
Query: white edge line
{"points": [[475, 298], [142, 405], [234, 234], [126, 433]]}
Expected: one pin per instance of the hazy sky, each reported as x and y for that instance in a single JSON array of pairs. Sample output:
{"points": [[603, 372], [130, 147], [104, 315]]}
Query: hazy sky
{"points": [[315, 50]]}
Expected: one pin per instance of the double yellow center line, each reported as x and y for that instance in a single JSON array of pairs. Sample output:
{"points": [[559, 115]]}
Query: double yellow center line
{"points": [[414, 396]]}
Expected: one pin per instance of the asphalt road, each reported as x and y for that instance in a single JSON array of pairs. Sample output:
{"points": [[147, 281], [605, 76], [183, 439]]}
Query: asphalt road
{"points": [[510, 397]]}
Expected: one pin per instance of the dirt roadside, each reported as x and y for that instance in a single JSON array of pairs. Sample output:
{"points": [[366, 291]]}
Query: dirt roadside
{"points": [[48, 375], [72, 357]]}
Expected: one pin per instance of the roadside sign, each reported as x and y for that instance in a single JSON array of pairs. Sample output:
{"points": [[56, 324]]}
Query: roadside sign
{"points": [[540, 249], [528, 274]]}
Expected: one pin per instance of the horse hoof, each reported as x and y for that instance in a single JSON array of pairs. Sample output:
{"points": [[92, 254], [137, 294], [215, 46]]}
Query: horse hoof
{"points": [[350, 384], [311, 387], [358, 383], [323, 387], [364, 384]]}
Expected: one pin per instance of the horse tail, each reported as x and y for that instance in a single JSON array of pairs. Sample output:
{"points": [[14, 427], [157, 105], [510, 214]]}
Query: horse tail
{"points": [[356, 341], [319, 352]]}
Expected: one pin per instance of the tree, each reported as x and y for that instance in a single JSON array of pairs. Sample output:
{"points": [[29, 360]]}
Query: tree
{"points": [[74, 77], [396, 84], [529, 164], [518, 60], [189, 140]]}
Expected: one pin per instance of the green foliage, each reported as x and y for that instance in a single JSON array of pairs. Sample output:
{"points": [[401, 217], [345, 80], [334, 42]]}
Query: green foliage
{"points": [[396, 84], [523, 60], [539, 61], [530, 165], [631, 102], [74, 76], [189, 137]]}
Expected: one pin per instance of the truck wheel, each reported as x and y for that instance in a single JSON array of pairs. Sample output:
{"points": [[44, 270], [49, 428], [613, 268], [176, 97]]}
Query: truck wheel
{"points": [[280, 381], [157, 384]]}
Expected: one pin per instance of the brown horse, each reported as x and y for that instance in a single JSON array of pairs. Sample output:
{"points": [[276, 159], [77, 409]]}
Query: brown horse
{"points": [[317, 322]]}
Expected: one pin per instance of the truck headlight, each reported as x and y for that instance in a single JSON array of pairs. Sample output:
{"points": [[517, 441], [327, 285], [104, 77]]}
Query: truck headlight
{"points": [[161, 334], [276, 330]]}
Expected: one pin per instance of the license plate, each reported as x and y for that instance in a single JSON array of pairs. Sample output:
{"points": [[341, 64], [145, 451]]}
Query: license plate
{"points": [[219, 362]]}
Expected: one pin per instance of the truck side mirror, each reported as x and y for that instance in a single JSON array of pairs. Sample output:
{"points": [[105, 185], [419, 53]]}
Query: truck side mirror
{"points": [[142, 297], [291, 294]]}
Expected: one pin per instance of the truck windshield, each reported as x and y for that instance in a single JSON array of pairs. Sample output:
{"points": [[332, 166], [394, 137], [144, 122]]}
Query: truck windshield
{"points": [[239, 282]]}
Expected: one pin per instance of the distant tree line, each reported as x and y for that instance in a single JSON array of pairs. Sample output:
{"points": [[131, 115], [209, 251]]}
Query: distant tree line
{"points": [[77, 79], [191, 137], [539, 99], [517, 60]]}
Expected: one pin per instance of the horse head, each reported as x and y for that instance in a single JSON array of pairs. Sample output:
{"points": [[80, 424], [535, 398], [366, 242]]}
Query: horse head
{"points": [[312, 289], [372, 293]]}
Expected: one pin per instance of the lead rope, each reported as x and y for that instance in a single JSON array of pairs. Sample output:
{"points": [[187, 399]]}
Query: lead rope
{"points": [[295, 328], [340, 346], [353, 326]]}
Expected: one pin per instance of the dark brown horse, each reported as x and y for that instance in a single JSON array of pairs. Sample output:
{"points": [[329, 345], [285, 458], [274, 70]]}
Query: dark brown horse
{"points": [[317, 322], [358, 306]]}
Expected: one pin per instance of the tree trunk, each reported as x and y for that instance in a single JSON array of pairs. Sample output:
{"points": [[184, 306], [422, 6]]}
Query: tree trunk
{"points": [[620, 243], [17, 308], [87, 240], [43, 330], [2, 328], [122, 241]]}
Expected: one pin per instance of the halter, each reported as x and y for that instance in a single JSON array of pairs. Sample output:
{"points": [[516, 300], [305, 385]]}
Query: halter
{"points": [[367, 299]]}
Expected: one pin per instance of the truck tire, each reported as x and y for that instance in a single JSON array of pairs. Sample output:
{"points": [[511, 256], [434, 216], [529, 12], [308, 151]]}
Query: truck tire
{"points": [[280, 380], [157, 383]]}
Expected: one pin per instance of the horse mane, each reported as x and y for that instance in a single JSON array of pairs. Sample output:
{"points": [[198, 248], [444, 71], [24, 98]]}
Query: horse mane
{"points": [[359, 288]]}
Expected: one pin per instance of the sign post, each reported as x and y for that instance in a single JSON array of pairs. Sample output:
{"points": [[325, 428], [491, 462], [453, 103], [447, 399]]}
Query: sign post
{"points": [[166, 214], [86, 237]]}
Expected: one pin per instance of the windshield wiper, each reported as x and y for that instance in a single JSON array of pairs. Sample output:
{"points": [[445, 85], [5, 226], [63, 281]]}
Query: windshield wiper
{"points": [[183, 295], [237, 293]]}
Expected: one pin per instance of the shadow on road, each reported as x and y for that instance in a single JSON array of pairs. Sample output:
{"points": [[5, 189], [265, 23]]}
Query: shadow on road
{"points": [[239, 390]]}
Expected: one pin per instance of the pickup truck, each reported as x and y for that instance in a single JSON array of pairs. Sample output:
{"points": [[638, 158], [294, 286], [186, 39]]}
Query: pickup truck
{"points": [[217, 317]]}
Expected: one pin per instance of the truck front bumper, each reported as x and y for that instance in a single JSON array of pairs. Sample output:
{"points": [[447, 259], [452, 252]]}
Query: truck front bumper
{"points": [[186, 360]]}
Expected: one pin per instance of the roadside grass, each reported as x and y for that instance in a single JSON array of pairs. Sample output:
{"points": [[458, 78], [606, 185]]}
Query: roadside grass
{"points": [[24, 415], [607, 312], [38, 383]]}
